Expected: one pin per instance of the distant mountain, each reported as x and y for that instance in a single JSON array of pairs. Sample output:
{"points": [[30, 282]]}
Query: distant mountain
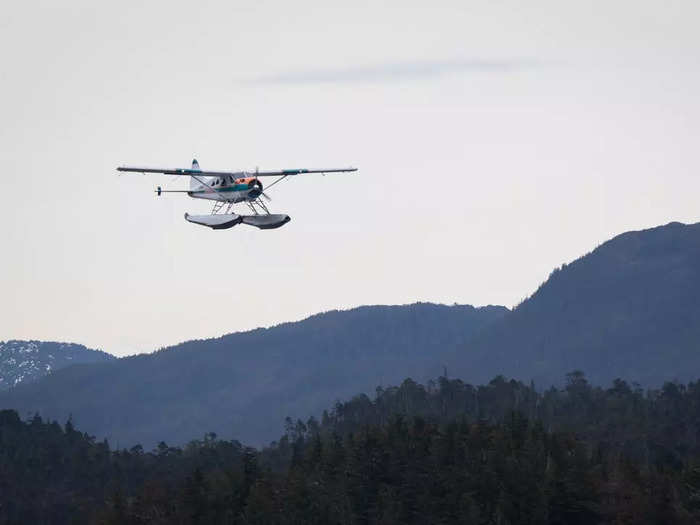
{"points": [[630, 308], [243, 385], [26, 361]]}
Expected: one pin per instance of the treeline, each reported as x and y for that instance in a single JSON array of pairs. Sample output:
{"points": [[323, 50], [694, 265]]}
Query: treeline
{"points": [[446, 452]]}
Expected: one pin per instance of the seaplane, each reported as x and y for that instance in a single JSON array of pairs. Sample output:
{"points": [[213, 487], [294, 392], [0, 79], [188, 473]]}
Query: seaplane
{"points": [[229, 188]]}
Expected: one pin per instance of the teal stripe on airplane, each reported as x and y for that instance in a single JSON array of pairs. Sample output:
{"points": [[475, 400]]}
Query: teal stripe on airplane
{"points": [[237, 187]]}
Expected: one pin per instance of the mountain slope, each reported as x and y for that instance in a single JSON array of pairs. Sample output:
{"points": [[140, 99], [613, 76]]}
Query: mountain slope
{"points": [[26, 361], [630, 308], [243, 385]]}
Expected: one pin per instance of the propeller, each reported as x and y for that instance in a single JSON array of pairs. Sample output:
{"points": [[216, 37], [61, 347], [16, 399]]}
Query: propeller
{"points": [[257, 186]]}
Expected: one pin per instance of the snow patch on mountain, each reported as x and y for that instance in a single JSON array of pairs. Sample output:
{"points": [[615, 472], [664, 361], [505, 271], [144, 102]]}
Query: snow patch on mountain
{"points": [[24, 361]]}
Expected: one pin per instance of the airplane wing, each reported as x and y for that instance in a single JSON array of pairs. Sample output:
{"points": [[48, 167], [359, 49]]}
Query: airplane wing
{"points": [[297, 172], [236, 174], [188, 172]]}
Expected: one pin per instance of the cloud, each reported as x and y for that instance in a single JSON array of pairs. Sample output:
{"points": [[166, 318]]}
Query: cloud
{"points": [[395, 72]]}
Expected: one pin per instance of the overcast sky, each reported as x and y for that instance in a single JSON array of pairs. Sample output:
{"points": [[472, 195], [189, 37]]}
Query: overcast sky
{"points": [[495, 140]]}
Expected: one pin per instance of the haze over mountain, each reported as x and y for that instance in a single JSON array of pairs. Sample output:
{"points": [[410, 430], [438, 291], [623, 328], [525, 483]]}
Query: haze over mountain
{"points": [[243, 385], [26, 361], [630, 308]]}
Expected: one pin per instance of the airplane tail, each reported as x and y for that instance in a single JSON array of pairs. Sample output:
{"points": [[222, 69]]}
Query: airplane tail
{"points": [[194, 183]]}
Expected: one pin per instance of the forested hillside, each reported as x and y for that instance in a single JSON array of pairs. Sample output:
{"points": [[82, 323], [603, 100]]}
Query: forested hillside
{"points": [[243, 385], [446, 452], [630, 308]]}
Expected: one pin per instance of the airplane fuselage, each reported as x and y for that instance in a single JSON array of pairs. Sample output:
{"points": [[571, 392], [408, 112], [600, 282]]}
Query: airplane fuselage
{"points": [[228, 189]]}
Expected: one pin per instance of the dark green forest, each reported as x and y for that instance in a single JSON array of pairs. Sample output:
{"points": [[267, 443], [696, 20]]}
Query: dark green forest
{"points": [[445, 452]]}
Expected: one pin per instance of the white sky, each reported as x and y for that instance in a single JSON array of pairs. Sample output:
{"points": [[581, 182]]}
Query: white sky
{"points": [[495, 139]]}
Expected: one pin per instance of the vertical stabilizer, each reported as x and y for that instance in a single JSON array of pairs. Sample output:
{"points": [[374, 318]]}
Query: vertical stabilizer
{"points": [[194, 183]]}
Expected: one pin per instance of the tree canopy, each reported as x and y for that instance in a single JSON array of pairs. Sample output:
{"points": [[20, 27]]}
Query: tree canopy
{"points": [[444, 452]]}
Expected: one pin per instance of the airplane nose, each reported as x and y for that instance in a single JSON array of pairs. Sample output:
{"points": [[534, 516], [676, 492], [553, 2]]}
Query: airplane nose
{"points": [[256, 189]]}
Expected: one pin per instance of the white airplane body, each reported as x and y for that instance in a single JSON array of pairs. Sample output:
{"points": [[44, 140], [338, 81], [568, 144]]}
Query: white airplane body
{"points": [[228, 188]]}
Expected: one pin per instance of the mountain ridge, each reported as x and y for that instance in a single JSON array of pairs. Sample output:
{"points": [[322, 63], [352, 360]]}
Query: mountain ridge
{"points": [[244, 384], [629, 308]]}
